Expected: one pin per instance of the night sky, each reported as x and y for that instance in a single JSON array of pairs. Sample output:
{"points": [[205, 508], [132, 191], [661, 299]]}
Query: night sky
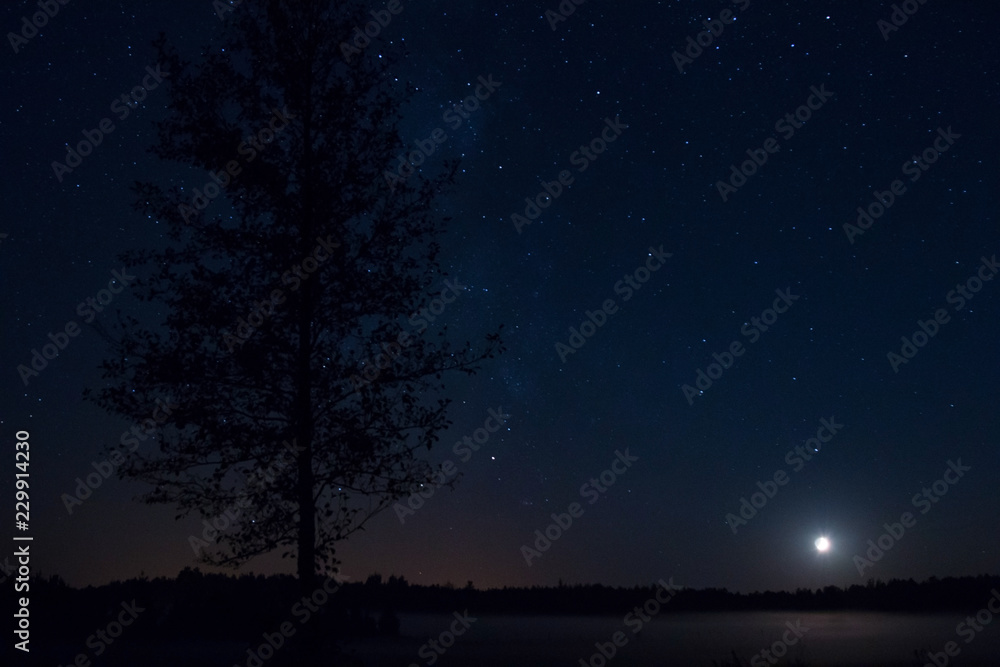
{"points": [[640, 235]]}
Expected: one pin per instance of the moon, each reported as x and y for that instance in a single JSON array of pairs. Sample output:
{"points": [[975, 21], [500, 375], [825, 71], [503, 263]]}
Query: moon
{"points": [[822, 544]]}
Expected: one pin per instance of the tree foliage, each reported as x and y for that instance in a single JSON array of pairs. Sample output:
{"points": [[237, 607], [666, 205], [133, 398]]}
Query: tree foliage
{"points": [[272, 294]]}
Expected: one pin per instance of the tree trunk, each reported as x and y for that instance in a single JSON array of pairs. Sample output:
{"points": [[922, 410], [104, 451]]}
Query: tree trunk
{"points": [[304, 418]]}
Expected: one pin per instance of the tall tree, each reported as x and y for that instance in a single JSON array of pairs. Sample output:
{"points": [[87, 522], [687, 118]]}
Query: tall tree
{"points": [[282, 285]]}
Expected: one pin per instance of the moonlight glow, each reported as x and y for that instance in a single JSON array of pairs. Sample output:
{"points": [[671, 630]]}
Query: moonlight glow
{"points": [[822, 544]]}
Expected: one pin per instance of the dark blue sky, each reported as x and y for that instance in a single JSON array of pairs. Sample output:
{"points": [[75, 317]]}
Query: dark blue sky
{"points": [[655, 185]]}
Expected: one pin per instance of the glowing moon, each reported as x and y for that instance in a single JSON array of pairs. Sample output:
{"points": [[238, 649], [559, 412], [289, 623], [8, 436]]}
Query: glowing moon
{"points": [[822, 544]]}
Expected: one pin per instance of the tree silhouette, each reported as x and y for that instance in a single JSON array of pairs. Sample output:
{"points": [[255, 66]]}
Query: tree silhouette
{"points": [[287, 272]]}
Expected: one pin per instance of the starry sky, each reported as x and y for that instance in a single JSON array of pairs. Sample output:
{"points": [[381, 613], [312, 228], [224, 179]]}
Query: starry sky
{"points": [[673, 265]]}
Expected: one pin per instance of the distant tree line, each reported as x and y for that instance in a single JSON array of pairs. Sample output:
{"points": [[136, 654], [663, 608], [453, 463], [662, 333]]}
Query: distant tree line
{"points": [[196, 605]]}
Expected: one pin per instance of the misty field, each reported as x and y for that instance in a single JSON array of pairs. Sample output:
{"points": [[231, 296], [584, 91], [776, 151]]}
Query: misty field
{"points": [[828, 638]]}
